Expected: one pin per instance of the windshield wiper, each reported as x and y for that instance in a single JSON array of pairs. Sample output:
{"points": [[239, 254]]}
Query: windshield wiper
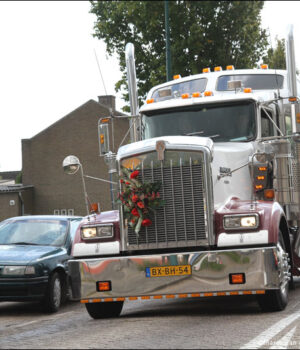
{"points": [[194, 133], [24, 243]]}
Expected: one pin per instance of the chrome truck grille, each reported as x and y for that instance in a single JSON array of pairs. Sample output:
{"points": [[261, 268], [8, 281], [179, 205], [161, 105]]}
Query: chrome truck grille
{"points": [[183, 220]]}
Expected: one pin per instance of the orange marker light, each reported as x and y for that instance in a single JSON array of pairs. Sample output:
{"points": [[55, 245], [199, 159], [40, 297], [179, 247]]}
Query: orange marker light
{"points": [[206, 70], [260, 177], [196, 94], [262, 168], [103, 286], [293, 99], [208, 93], [264, 66], [151, 100], [177, 76], [106, 120], [185, 95], [247, 90], [269, 194], [237, 278], [298, 117], [102, 139], [230, 67], [218, 69], [258, 187]]}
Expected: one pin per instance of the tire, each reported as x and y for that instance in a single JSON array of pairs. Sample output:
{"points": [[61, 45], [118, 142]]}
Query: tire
{"points": [[277, 299], [104, 309], [53, 298]]}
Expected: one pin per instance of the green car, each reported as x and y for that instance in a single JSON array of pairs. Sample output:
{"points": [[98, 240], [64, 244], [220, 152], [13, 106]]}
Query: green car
{"points": [[34, 254]]}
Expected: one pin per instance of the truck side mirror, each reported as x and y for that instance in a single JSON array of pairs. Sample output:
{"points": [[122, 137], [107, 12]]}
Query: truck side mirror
{"points": [[103, 136]]}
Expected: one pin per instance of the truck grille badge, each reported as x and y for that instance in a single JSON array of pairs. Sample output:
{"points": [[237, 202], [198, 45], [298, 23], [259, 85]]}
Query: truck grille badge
{"points": [[160, 148]]}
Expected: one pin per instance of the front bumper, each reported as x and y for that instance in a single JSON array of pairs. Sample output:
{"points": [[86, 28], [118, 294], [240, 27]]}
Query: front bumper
{"points": [[210, 274], [23, 289]]}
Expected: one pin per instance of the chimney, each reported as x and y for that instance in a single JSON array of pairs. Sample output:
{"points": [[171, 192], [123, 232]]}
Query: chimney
{"points": [[108, 101]]}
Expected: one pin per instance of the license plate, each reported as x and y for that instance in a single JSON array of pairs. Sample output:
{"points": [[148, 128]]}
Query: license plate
{"points": [[163, 271]]}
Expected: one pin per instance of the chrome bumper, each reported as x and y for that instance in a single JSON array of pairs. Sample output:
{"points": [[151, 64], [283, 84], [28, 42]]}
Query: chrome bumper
{"points": [[210, 273]]}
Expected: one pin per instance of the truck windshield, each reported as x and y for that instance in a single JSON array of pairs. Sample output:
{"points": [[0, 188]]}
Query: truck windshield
{"points": [[222, 122]]}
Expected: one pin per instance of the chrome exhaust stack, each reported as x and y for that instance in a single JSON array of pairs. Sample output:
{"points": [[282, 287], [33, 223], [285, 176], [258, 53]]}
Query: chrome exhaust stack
{"points": [[132, 89]]}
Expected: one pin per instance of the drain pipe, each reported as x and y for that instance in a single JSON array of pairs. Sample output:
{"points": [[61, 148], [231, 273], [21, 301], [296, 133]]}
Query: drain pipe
{"points": [[22, 203]]}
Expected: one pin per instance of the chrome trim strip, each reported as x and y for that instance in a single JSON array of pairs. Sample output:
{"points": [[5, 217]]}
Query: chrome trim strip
{"points": [[242, 238]]}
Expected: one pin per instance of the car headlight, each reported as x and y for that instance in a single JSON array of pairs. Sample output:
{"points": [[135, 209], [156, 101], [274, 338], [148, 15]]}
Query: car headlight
{"points": [[18, 270], [236, 222], [96, 232]]}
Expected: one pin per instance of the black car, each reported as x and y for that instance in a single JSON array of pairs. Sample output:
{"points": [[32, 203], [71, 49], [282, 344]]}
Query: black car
{"points": [[34, 254]]}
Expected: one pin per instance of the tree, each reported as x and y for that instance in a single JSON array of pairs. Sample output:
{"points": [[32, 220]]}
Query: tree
{"points": [[202, 34], [275, 58]]}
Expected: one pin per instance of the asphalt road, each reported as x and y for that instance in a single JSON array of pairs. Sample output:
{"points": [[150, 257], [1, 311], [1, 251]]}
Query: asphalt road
{"points": [[218, 322]]}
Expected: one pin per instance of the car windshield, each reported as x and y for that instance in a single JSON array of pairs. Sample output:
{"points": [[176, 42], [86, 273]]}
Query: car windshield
{"points": [[222, 122], [33, 232]]}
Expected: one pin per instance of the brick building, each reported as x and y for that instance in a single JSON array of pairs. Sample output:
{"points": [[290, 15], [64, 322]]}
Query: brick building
{"points": [[45, 188]]}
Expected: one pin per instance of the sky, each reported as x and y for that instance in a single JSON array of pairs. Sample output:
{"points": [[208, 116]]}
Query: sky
{"points": [[48, 64]]}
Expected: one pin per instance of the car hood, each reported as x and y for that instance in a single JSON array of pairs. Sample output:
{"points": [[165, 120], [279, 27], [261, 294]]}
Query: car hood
{"points": [[23, 254]]}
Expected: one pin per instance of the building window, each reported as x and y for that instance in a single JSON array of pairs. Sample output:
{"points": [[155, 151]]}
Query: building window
{"points": [[69, 212]]}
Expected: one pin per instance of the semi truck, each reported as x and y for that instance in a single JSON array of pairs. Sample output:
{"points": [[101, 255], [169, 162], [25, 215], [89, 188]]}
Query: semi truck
{"points": [[206, 196]]}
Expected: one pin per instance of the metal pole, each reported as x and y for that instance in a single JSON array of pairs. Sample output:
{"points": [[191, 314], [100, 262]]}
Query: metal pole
{"points": [[84, 191], [168, 52]]}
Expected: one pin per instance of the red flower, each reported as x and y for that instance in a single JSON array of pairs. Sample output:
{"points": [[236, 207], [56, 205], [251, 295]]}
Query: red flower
{"points": [[146, 222], [135, 212], [127, 183], [140, 205], [122, 181], [134, 198], [134, 174], [157, 195]]}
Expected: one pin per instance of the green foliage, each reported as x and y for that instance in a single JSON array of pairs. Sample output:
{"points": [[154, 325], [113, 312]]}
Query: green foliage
{"points": [[202, 34], [19, 178], [275, 58]]}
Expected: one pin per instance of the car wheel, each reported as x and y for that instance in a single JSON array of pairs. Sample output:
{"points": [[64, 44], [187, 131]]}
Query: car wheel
{"points": [[104, 309], [277, 299], [53, 298]]}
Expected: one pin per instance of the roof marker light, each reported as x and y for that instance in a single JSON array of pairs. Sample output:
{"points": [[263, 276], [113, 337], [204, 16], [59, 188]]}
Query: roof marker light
{"points": [[177, 76], [196, 94], [247, 90], [218, 69], [230, 67], [151, 100], [206, 70], [208, 93], [185, 95], [264, 66]]}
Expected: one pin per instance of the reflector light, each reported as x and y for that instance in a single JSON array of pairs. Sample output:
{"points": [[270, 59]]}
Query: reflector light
{"points": [[177, 76], [206, 70], [247, 90], [218, 69], [102, 139], [264, 66], [298, 117], [262, 168], [196, 94], [230, 67], [151, 100], [185, 95], [106, 120], [260, 177], [103, 286], [237, 278], [208, 93], [269, 194], [258, 187]]}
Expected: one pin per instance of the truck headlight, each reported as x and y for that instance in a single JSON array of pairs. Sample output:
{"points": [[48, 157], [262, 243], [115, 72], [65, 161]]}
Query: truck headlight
{"points": [[96, 232], [237, 222], [18, 270]]}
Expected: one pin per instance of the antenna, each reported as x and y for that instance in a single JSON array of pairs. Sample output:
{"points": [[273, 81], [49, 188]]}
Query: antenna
{"points": [[100, 72]]}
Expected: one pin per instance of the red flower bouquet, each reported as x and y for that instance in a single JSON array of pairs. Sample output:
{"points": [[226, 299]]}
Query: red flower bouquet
{"points": [[138, 199]]}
